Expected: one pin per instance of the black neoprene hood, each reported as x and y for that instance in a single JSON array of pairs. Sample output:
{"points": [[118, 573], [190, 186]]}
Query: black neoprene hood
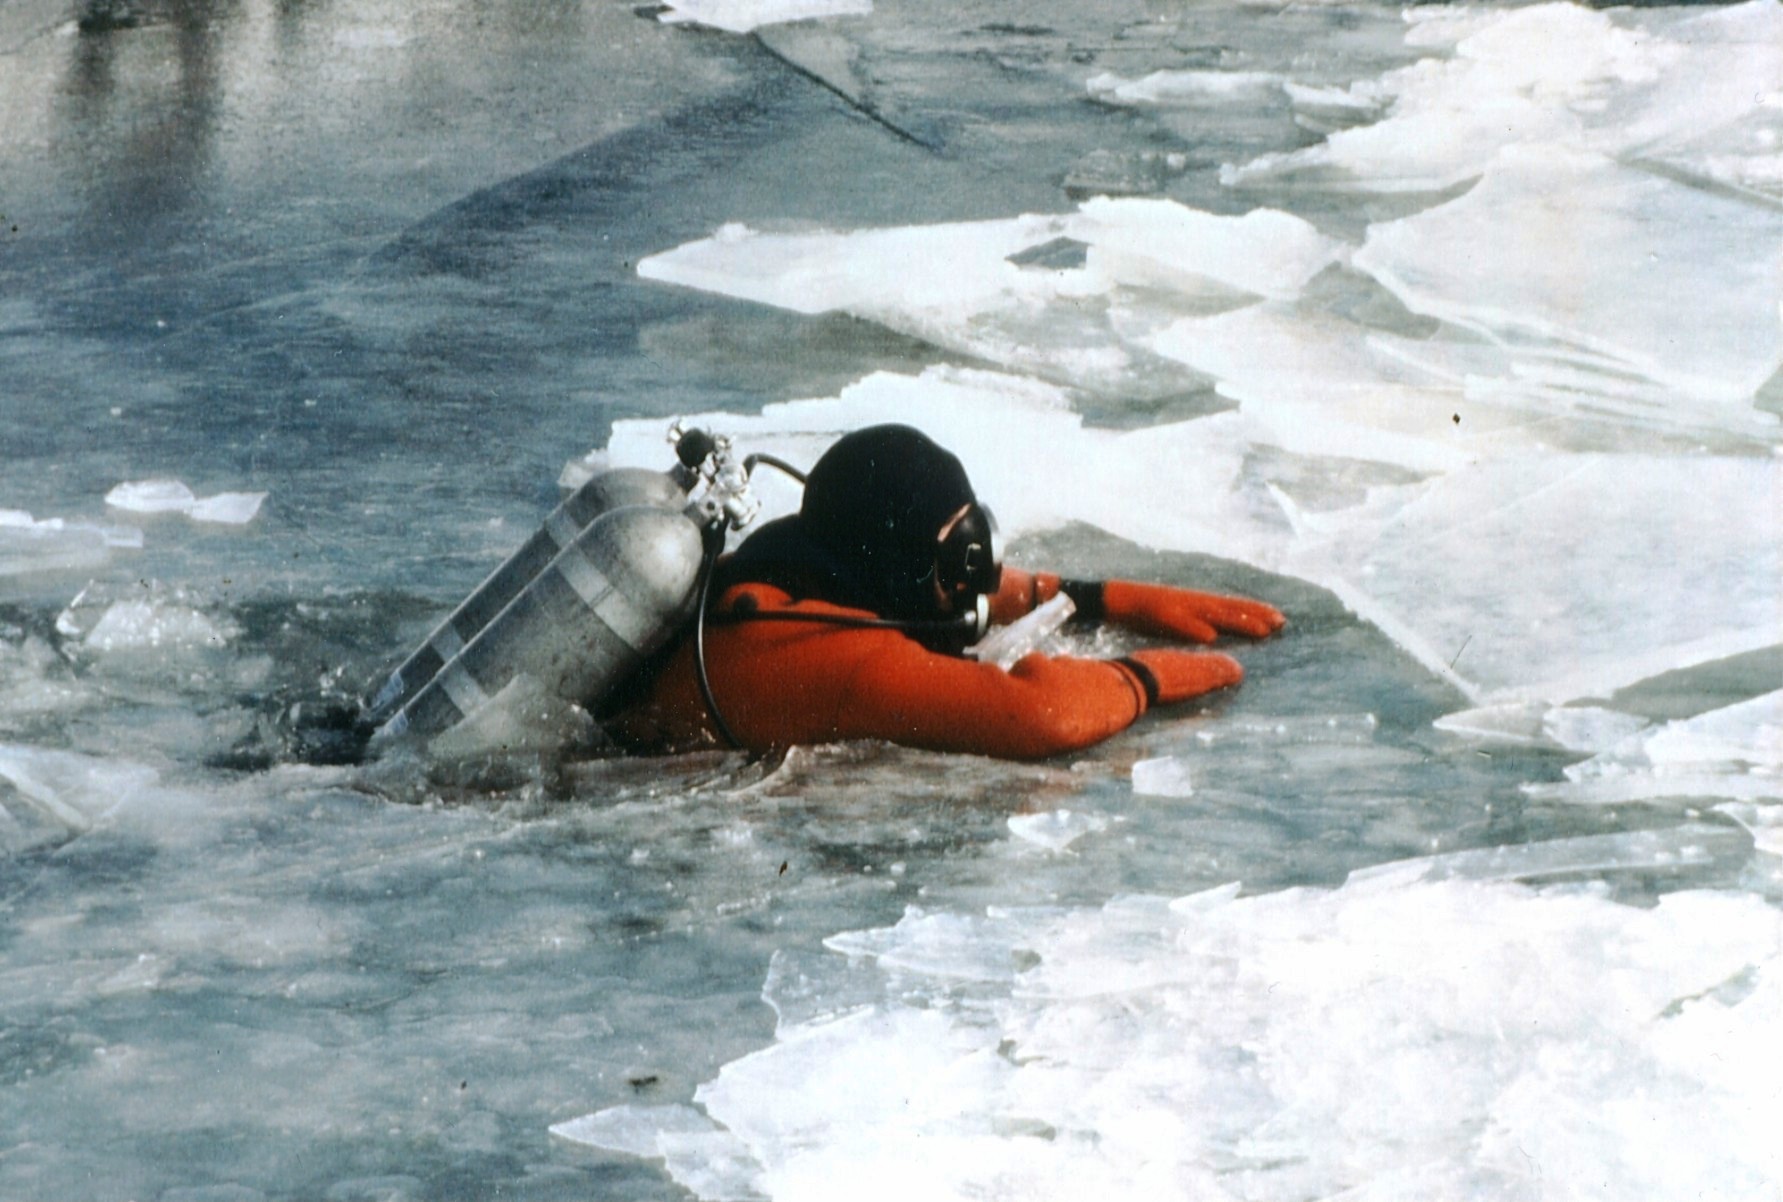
{"points": [[877, 500]]}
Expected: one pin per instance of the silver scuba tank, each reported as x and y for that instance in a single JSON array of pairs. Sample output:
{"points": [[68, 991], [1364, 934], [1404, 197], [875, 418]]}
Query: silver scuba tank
{"points": [[614, 593], [608, 491]]}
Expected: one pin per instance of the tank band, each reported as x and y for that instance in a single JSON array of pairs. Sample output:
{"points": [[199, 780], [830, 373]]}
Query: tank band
{"points": [[562, 528], [462, 688]]}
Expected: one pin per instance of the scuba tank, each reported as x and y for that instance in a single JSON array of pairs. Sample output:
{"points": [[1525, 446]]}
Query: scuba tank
{"points": [[609, 578]]}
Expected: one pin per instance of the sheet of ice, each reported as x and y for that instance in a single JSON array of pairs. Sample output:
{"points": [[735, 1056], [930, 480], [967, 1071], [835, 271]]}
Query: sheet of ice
{"points": [[1055, 830], [745, 16], [1581, 282], [1534, 578], [1453, 1038], [966, 287], [1734, 752], [1693, 844], [173, 496], [152, 496]]}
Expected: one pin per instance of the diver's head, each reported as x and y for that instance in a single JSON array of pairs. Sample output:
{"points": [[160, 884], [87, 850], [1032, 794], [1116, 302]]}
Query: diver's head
{"points": [[899, 509]]}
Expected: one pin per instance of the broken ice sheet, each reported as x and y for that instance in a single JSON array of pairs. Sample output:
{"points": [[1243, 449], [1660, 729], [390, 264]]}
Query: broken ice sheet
{"points": [[966, 286], [1184, 1048], [1697, 93], [1588, 257], [1691, 845], [1532, 578]]}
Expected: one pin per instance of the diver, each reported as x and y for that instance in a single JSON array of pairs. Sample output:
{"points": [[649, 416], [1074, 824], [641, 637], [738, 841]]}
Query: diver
{"points": [[848, 619]]}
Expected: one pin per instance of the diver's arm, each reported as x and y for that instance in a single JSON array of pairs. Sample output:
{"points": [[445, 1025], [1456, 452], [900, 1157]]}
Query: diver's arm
{"points": [[1042, 706], [1152, 609]]}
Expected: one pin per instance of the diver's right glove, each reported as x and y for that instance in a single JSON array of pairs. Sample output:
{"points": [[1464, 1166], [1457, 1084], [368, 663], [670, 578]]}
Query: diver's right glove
{"points": [[1161, 610], [1168, 676]]}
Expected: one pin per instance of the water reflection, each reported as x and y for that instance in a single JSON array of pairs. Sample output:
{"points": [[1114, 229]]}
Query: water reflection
{"points": [[140, 100]]}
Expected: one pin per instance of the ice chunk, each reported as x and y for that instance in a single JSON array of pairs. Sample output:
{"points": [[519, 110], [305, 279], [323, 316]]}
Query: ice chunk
{"points": [[77, 791], [55, 544], [1534, 724], [1763, 822], [228, 508], [1167, 776], [1183, 87], [1056, 830], [149, 615], [152, 496], [634, 1130], [173, 496], [1307, 1043], [744, 16], [1589, 727], [1734, 752], [1005, 645]]}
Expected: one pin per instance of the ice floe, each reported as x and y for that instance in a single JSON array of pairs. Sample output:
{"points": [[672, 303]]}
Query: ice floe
{"points": [[29, 544], [1223, 1046], [746, 16], [173, 496]]}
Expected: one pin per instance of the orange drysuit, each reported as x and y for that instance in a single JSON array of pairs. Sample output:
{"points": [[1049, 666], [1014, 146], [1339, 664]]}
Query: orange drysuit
{"points": [[780, 683]]}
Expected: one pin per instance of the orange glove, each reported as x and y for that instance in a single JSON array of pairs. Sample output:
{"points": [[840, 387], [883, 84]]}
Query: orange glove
{"points": [[1169, 676], [1159, 610]]}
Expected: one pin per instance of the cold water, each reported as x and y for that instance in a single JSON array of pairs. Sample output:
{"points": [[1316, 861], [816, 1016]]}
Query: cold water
{"points": [[1452, 331]]}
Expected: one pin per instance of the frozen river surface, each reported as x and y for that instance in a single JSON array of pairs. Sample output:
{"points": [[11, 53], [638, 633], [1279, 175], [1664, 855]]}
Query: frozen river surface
{"points": [[1454, 332]]}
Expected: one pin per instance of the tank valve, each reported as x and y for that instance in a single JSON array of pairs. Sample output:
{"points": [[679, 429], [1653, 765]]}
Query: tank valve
{"points": [[710, 458]]}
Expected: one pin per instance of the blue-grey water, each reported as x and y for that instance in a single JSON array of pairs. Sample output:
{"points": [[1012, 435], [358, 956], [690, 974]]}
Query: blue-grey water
{"points": [[1487, 407]]}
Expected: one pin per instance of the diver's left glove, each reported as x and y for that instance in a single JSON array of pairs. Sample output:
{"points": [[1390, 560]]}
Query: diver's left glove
{"points": [[1162, 611]]}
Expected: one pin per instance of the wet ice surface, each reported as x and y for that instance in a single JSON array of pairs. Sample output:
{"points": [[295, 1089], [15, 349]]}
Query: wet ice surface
{"points": [[1471, 890]]}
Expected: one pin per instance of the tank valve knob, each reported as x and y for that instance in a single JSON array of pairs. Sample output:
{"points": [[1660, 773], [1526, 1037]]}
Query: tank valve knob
{"points": [[693, 447]]}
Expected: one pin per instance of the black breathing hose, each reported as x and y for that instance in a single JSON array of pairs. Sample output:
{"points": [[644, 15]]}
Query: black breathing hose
{"points": [[714, 546]]}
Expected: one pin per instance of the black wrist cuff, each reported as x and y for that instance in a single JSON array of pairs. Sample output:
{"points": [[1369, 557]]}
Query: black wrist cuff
{"points": [[1147, 680], [1086, 596]]}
